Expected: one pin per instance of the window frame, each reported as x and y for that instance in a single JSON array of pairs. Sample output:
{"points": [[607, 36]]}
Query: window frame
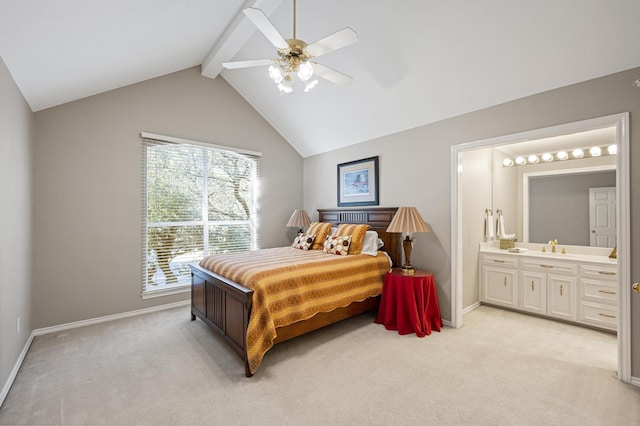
{"points": [[149, 139]]}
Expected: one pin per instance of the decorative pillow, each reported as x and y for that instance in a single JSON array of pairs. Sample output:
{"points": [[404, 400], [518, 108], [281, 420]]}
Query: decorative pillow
{"points": [[357, 233], [371, 243], [337, 245], [303, 241], [320, 230]]}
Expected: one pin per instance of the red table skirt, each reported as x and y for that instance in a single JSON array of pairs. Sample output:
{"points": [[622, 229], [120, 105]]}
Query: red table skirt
{"points": [[409, 304]]}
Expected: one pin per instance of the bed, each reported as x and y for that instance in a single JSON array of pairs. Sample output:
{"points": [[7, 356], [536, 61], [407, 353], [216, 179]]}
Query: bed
{"points": [[226, 305]]}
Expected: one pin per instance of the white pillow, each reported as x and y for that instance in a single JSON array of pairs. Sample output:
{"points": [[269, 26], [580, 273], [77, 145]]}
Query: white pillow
{"points": [[371, 243]]}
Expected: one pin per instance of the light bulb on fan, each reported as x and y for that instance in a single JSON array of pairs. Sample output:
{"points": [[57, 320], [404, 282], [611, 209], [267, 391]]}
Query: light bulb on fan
{"points": [[305, 71], [275, 73], [310, 85], [285, 86]]}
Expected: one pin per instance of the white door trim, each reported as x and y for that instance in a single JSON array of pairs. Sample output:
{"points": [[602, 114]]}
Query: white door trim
{"points": [[621, 122]]}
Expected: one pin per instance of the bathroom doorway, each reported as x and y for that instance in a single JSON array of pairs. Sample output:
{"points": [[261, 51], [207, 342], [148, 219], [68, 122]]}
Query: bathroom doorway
{"points": [[617, 121]]}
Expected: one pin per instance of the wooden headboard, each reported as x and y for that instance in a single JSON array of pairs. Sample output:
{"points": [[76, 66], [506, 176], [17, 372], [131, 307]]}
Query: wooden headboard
{"points": [[377, 217]]}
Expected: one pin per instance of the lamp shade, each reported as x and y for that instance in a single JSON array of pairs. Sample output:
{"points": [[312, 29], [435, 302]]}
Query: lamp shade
{"points": [[408, 220], [299, 219]]}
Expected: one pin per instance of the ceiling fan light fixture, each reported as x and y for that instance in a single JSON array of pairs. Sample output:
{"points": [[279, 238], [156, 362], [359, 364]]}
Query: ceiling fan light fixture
{"points": [[275, 73], [305, 71], [310, 84], [285, 85], [294, 55]]}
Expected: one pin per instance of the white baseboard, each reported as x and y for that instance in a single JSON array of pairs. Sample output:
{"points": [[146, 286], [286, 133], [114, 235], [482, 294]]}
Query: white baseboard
{"points": [[470, 308], [76, 324], [16, 367], [635, 381]]}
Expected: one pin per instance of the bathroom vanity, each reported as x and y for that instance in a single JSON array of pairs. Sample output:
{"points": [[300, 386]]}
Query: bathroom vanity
{"points": [[578, 286]]}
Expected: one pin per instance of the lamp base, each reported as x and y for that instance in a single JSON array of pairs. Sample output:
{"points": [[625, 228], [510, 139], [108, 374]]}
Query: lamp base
{"points": [[407, 270]]}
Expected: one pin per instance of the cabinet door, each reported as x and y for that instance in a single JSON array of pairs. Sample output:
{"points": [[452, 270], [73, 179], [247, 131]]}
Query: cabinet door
{"points": [[533, 292], [561, 297], [600, 315], [499, 286]]}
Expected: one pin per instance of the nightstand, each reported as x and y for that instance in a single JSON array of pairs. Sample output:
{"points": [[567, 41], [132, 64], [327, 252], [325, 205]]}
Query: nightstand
{"points": [[409, 303]]}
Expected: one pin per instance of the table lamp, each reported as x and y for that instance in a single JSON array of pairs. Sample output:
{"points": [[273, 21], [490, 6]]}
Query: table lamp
{"points": [[407, 220], [299, 219]]}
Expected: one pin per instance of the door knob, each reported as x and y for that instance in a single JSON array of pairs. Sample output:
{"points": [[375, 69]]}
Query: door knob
{"points": [[636, 287]]}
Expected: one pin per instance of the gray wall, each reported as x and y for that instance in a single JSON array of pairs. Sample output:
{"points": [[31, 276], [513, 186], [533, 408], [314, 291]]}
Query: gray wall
{"points": [[559, 206], [420, 159], [87, 163], [16, 128]]}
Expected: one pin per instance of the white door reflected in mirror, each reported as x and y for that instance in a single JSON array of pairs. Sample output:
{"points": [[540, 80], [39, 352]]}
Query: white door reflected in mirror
{"points": [[602, 217]]}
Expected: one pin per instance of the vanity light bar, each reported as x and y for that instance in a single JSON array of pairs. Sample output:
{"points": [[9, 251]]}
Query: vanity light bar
{"points": [[596, 151]]}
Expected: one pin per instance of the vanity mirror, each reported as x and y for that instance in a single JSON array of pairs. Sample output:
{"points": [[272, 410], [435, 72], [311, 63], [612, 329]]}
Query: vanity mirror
{"points": [[548, 200]]}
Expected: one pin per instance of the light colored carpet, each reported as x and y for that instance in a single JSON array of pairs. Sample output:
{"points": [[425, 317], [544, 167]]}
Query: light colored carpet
{"points": [[500, 368]]}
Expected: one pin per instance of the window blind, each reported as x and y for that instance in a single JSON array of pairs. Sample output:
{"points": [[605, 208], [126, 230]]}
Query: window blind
{"points": [[196, 200]]}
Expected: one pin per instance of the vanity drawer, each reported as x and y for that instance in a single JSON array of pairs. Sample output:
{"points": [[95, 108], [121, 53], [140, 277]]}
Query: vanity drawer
{"points": [[554, 267], [599, 291], [599, 272], [500, 261], [605, 316]]}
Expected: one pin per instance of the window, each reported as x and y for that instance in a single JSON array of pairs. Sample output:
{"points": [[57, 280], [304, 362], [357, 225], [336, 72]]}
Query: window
{"points": [[197, 200]]}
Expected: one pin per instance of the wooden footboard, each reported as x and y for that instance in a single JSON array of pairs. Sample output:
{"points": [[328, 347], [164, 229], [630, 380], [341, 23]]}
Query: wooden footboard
{"points": [[225, 305]]}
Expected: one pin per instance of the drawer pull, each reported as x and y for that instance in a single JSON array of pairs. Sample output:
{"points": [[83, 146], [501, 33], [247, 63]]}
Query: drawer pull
{"points": [[546, 266], [532, 286], [606, 273], [606, 315], [560, 289], [505, 280], [498, 261], [606, 292]]}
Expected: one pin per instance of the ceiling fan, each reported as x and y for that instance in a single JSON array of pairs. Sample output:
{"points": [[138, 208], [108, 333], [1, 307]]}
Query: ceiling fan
{"points": [[295, 56]]}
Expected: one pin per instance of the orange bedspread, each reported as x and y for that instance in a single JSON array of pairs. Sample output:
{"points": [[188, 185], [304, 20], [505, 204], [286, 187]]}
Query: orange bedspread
{"points": [[291, 285]]}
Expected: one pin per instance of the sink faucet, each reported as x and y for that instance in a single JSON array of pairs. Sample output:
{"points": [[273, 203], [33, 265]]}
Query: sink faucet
{"points": [[553, 244]]}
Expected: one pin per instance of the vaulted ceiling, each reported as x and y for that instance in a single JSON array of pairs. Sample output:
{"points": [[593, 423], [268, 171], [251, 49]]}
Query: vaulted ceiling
{"points": [[416, 61]]}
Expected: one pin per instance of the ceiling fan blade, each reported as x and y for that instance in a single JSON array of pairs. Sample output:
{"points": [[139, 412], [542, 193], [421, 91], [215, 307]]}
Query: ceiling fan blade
{"points": [[337, 40], [247, 64], [265, 26], [331, 75]]}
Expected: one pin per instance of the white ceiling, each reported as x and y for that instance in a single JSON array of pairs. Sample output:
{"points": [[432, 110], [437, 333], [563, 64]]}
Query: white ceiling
{"points": [[417, 61]]}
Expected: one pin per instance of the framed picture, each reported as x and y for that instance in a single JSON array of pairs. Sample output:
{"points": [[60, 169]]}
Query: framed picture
{"points": [[358, 183]]}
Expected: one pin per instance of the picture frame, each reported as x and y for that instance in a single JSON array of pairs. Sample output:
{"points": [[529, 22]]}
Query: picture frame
{"points": [[358, 183]]}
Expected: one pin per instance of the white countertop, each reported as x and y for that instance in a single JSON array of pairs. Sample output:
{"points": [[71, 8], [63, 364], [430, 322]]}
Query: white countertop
{"points": [[535, 250]]}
